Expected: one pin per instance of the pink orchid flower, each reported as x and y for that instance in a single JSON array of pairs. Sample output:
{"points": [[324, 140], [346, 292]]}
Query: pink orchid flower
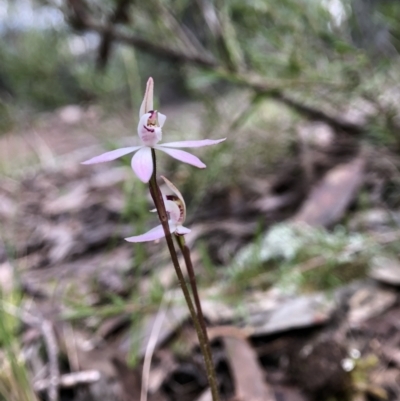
{"points": [[149, 131], [176, 209]]}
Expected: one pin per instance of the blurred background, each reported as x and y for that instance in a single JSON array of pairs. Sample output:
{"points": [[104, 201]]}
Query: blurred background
{"points": [[297, 209]]}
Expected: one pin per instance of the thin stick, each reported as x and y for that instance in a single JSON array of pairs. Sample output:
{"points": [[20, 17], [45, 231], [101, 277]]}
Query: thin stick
{"points": [[69, 380], [162, 214], [52, 355], [151, 345]]}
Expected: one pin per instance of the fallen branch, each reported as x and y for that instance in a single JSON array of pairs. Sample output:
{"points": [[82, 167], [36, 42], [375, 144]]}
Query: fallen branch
{"points": [[51, 346], [69, 380]]}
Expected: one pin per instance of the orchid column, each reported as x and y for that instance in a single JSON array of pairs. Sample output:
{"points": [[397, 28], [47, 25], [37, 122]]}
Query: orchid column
{"points": [[171, 209]]}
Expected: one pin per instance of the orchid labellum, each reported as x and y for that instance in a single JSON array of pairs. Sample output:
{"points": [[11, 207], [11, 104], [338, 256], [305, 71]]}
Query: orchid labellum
{"points": [[150, 133], [176, 209]]}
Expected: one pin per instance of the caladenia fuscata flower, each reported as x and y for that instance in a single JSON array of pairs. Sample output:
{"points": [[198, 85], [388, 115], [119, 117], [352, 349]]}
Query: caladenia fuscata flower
{"points": [[176, 209], [150, 132]]}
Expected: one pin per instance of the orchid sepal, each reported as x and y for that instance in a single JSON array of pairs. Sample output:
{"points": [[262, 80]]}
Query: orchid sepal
{"points": [[112, 155], [147, 103], [158, 233], [182, 156]]}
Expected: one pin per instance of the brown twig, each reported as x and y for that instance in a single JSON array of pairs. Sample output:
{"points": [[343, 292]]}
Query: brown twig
{"points": [[119, 15], [151, 47]]}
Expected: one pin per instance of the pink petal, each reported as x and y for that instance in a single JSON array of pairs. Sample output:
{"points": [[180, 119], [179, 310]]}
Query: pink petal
{"points": [[182, 230], [193, 144], [152, 235], [114, 154], [182, 156], [142, 164]]}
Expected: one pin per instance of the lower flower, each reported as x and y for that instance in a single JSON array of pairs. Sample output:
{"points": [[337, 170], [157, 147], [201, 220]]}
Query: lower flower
{"points": [[176, 209]]}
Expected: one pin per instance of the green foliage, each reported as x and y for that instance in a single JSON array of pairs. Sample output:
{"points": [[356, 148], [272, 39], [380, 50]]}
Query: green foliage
{"points": [[36, 68], [6, 119], [136, 211], [14, 381], [309, 48], [306, 258], [43, 72]]}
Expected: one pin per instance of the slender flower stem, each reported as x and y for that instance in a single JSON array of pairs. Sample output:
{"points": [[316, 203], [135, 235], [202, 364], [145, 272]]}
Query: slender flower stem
{"points": [[201, 333], [192, 280]]}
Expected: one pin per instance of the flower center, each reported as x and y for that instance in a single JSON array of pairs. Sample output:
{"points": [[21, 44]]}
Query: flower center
{"points": [[152, 120], [149, 129]]}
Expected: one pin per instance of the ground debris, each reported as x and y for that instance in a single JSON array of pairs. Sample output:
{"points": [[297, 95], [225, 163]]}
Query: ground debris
{"points": [[324, 207], [248, 376], [65, 230]]}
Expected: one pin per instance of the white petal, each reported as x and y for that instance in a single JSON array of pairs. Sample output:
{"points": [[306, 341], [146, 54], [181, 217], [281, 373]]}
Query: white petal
{"points": [[183, 156], [175, 190], [182, 230], [172, 226], [152, 235], [114, 154], [142, 164], [173, 209]]}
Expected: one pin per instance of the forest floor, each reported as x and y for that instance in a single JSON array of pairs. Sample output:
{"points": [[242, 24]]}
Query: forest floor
{"points": [[298, 308]]}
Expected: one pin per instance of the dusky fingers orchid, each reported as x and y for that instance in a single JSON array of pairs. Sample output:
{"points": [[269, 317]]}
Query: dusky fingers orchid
{"points": [[176, 209], [150, 132]]}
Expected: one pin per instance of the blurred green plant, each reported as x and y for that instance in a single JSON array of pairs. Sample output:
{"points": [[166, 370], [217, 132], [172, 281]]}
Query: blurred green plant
{"points": [[301, 258], [136, 212], [36, 68], [14, 381], [43, 72]]}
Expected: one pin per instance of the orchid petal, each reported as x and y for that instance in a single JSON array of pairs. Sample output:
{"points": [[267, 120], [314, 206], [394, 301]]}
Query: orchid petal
{"points": [[142, 164], [175, 190], [192, 144], [161, 119], [174, 212], [182, 156], [114, 154], [147, 103], [143, 123], [182, 230], [172, 226], [152, 235]]}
